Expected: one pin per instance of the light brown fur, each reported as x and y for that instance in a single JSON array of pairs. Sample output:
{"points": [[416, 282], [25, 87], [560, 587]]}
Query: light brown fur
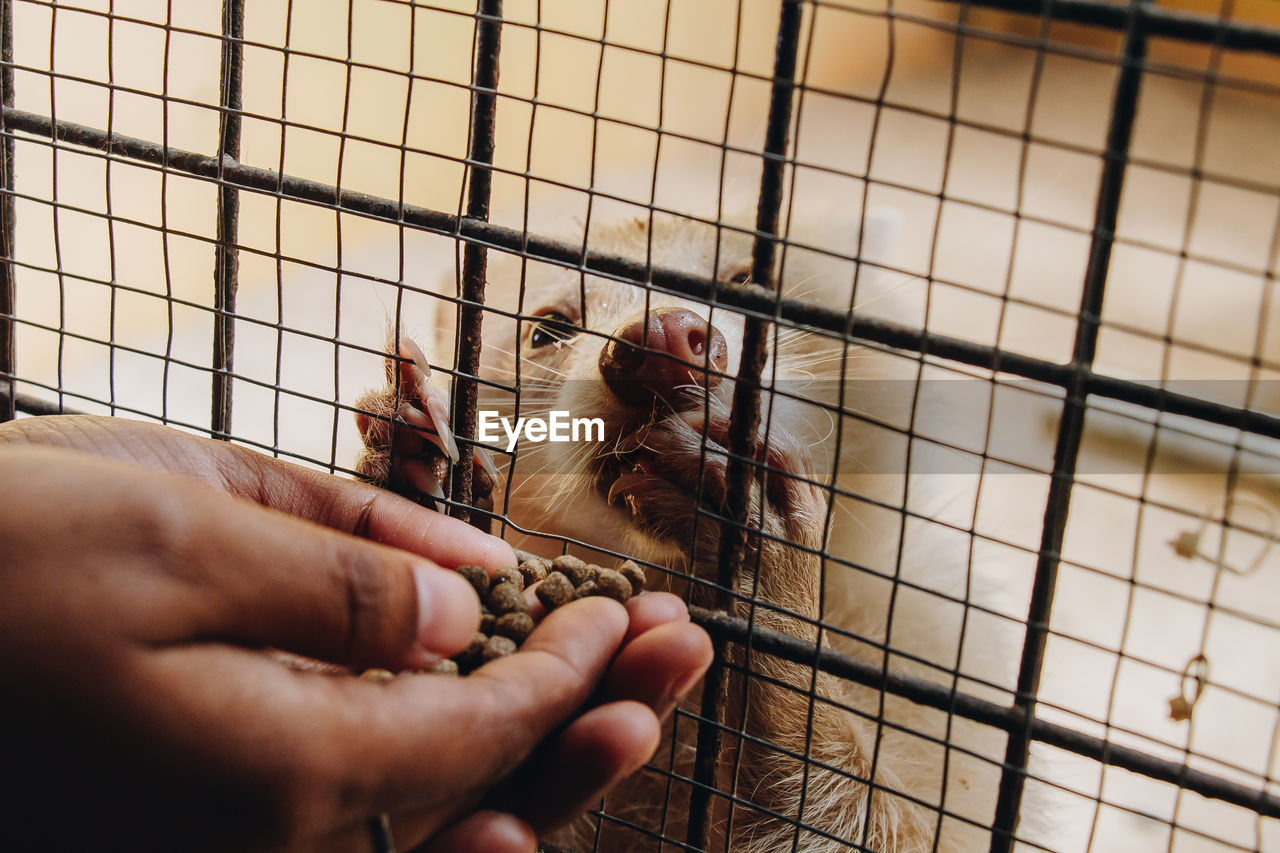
{"points": [[787, 712]]}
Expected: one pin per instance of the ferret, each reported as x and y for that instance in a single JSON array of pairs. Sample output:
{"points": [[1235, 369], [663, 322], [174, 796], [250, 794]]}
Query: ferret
{"points": [[658, 370]]}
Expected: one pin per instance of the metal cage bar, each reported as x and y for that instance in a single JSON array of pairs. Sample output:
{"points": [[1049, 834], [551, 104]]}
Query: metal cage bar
{"points": [[1153, 20], [8, 290], [1124, 111], [484, 97], [748, 300], [226, 278], [741, 471], [1010, 719]]}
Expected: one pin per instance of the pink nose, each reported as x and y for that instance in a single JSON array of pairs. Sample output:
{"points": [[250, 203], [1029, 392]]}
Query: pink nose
{"points": [[662, 355]]}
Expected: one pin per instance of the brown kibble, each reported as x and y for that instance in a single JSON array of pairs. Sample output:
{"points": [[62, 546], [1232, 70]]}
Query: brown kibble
{"points": [[586, 589], [555, 591], [517, 626], [498, 647], [634, 573], [573, 568], [506, 598], [613, 585], [533, 571], [378, 676], [469, 658], [523, 556], [487, 621], [507, 575], [445, 667], [477, 576]]}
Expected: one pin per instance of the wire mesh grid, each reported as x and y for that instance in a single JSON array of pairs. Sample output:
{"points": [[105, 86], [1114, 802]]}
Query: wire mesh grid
{"points": [[1069, 333]]}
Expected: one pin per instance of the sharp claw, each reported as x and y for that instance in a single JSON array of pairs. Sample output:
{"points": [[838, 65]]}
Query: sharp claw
{"points": [[486, 462], [422, 424], [428, 424], [434, 422], [435, 491], [439, 412], [421, 478], [416, 418], [408, 349]]}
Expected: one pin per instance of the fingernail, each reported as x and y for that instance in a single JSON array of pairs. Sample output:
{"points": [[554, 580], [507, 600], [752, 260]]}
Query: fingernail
{"points": [[448, 610]]}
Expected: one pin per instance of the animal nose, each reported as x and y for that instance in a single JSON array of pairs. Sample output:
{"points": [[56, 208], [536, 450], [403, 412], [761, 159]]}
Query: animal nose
{"points": [[661, 355]]}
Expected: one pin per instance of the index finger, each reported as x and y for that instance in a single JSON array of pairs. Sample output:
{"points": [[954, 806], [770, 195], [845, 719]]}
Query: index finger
{"points": [[365, 511], [344, 505]]}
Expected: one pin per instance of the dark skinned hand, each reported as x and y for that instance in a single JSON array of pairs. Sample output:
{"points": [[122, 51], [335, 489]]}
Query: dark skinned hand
{"points": [[144, 573]]}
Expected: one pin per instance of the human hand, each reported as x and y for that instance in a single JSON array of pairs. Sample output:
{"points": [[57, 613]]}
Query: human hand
{"points": [[140, 711]]}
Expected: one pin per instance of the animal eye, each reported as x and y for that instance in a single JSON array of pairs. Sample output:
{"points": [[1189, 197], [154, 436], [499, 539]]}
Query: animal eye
{"points": [[552, 327], [741, 275]]}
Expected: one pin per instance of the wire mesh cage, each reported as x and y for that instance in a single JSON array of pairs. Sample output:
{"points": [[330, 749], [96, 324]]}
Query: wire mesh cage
{"points": [[933, 342]]}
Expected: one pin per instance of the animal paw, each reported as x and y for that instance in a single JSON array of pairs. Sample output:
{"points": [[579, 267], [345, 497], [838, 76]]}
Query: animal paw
{"points": [[409, 443]]}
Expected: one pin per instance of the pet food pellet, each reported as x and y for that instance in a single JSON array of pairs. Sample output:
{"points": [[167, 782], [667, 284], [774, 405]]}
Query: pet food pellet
{"points": [[378, 676], [525, 556], [478, 578], [469, 658], [445, 667], [498, 647], [573, 568], [506, 598], [507, 575], [613, 585], [632, 571], [533, 571], [516, 626], [555, 591], [487, 621], [586, 589]]}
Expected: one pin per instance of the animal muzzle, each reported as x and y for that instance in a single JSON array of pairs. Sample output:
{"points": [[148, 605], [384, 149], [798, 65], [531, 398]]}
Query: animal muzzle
{"points": [[671, 354]]}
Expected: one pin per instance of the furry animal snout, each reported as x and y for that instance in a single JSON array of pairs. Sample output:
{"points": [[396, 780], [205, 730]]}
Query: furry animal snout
{"points": [[666, 353]]}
